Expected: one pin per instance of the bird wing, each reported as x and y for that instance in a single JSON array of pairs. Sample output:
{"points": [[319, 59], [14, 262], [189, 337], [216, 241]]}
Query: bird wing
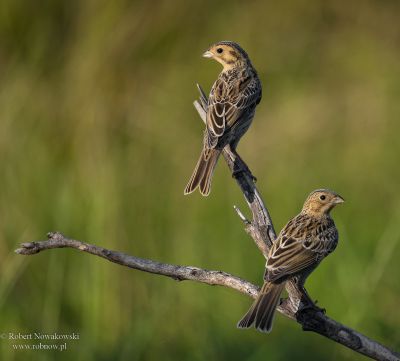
{"points": [[288, 258], [301, 244], [227, 102]]}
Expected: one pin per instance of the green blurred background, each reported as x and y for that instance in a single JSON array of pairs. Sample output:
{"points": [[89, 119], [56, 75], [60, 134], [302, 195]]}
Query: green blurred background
{"points": [[98, 137]]}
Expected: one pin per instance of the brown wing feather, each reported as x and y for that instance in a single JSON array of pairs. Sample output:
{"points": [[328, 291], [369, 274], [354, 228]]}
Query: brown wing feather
{"points": [[228, 100], [302, 243], [286, 261]]}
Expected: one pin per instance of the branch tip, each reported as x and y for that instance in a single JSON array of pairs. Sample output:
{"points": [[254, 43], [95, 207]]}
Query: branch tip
{"points": [[28, 248], [19, 251]]}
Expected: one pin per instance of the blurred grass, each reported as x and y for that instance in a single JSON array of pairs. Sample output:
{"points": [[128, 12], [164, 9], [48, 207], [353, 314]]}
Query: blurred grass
{"points": [[98, 137]]}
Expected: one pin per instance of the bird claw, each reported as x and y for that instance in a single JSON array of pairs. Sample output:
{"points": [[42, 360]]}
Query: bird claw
{"points": [[323, 310], [313, 307], [236, 172]]}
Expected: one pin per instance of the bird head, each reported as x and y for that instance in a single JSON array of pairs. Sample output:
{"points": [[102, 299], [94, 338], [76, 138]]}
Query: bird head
{"points": [[321, 202], [228, 53]]}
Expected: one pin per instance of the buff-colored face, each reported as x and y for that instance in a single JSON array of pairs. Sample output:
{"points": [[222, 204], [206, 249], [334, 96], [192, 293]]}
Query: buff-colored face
{"points": [[321, 202], [225, 54]]}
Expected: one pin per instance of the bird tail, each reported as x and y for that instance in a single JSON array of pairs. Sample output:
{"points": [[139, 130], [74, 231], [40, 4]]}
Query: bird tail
{"points": [[202, 174], [261, 313]]}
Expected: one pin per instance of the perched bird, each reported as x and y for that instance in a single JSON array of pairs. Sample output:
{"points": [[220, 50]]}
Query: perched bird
{"points": [[300, 247], [230, 111]]}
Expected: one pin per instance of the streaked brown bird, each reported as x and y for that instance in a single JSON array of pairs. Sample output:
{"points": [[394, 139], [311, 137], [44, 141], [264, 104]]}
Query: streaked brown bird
{"points": [[230, 111], [301, 245]]}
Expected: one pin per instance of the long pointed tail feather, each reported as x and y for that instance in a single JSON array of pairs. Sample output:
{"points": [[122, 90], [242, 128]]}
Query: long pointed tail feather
{"points": [[261, 313], [203, 173]]}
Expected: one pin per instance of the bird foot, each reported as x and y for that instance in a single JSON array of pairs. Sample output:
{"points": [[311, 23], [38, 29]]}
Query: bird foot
{"points": [[312, 306], [246, 170]]}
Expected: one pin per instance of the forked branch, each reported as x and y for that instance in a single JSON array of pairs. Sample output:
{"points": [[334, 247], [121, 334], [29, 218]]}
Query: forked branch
{"points": [[262, 231]]}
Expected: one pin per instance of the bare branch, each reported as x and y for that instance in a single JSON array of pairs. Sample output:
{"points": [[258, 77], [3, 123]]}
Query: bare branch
{"points": [[179, 273], [262, 231], [316, 322]]}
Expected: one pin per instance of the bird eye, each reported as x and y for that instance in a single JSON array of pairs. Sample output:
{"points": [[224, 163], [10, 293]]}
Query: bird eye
{"points": [[322, 198], [220, 50]]}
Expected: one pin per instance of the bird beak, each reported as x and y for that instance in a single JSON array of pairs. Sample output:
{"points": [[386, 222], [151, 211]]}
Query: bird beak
{"points": [[208, 54], [338, 200]]}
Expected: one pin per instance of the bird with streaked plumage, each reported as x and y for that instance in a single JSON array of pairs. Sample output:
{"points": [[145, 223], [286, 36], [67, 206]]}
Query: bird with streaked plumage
{"points": [[230, 110], [299, 248]]}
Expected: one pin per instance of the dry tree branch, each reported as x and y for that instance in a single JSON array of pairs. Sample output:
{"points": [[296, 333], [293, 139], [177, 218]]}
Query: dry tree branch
{"points": [[262, 231], [178, 273], [311, 322]]}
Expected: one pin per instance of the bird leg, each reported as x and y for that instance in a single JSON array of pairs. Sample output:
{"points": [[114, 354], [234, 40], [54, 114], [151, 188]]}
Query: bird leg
{"points": [[299, 298], [306, 303], [239, 165]]}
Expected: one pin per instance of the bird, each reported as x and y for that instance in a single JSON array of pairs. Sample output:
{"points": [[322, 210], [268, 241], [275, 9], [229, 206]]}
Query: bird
{"points": [[299, 248], [230, 110]]}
